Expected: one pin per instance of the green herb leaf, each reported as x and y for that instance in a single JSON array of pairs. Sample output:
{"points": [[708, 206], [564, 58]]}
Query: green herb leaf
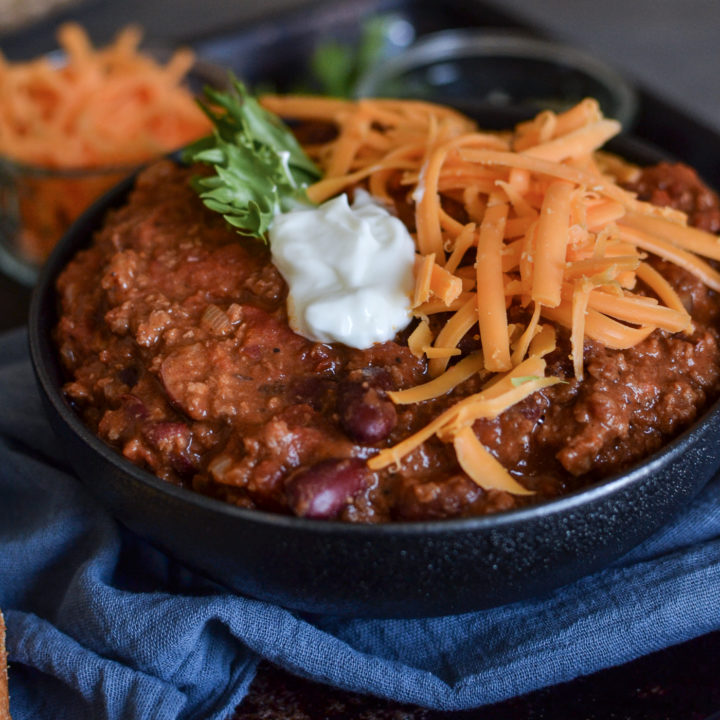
{"points": [[260, 168], [516, 381], [336, 67]]}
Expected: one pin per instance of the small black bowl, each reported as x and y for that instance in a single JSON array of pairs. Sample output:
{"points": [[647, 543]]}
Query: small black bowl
{"points": [[412, 569], [499, 73]]}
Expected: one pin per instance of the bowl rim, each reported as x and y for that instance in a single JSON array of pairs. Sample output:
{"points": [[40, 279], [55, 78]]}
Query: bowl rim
{"points": [[43, 359], [446, 45]]}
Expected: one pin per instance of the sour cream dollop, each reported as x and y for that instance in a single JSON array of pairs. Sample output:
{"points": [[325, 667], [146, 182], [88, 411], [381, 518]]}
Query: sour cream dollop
{"points": [[349, 269]]}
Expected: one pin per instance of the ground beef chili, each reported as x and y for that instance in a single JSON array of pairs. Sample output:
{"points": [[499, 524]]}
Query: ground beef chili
{"points": [[174, 332]]}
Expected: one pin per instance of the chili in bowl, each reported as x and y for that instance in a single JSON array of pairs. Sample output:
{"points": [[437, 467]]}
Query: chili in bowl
{"points": [[450, 467]]}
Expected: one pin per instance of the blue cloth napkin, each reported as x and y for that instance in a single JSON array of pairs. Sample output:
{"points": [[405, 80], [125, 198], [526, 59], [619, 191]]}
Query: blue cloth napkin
{"points": [[102, 626]]}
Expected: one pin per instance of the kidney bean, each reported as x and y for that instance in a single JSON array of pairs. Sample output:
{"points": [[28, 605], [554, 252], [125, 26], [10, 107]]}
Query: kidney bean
{"points": [[172, 439], [324, 489], [167, 434], [183, 464], [366, 414], [134, 407]]}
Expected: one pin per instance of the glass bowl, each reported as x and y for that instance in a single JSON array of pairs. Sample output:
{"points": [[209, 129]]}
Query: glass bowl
{"points": [[506, 75], [39, 203], [37, 206]]}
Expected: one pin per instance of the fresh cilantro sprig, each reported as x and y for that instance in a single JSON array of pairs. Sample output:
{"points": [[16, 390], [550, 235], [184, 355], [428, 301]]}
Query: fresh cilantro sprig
{"points": [[260, 168]]}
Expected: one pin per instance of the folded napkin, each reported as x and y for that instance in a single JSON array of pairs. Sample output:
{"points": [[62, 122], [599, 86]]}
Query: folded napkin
{"points": [[102, 626]]}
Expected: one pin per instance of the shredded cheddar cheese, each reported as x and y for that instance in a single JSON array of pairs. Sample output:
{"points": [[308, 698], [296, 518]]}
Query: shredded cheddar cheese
{"points": [[481, 466], [467, 367], [543, 225]]}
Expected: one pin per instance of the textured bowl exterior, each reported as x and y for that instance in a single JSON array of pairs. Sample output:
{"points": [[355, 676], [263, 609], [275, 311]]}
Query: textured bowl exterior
{"points": [[392, 570]]}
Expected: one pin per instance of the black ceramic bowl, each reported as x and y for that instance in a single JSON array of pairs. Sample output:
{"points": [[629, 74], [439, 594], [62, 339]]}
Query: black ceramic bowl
{"points": [[392, 570], [499, 73]]}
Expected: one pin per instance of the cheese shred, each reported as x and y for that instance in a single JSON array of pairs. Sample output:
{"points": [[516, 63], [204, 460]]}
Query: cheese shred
{"points": [[543, 225]]}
